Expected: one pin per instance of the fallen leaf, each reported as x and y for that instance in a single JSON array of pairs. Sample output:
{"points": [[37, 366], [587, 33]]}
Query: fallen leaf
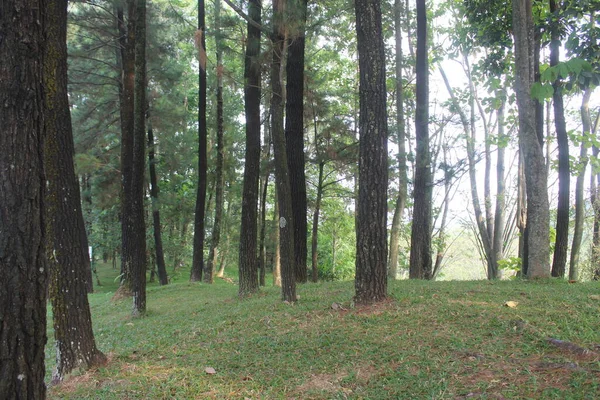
{"points": [[129, 324], [210, 370], [595, 296], [511, 304]]}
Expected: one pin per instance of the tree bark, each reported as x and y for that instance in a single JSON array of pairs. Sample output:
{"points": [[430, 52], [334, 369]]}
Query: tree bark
{"points": [[262, 253], [23, 266], [248, 270], [579, 194], [127, 44], [420, 254], [138, 264], [154, 190], [401, 133], [564, 176], [371, 233], [294, 135], [498, 241], [198, 253], [213, 255], [282, 175], [68, 260], [537, 229]]}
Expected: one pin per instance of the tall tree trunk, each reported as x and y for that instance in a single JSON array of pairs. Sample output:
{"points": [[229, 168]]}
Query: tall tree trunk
{"points": [[262, 253], [371, 234], [127, 44], [23, 266], [420, 254], [564, 176], [401, 133], [315, 225], [154, 190], [198, 254], [441, 241], [579, 199], [282, 175], [138, 264], [68, 260], [213, 255], [276, 241], [225, 252], [498, 241], [247, 256], [595, 199], [537, 230], [294, 135]]}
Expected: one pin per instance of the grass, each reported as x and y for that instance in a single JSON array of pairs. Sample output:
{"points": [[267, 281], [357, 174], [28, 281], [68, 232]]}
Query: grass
{"points": [[431, 340]]}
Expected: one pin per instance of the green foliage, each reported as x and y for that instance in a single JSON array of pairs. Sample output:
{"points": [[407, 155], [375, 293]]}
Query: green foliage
{"points": [[510, 264]]}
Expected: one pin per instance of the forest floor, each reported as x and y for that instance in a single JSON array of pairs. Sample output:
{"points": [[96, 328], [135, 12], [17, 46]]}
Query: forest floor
{"points": [[431, 340]]}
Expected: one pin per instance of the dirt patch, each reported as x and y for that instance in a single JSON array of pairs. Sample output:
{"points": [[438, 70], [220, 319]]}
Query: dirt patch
{"points": [[322, 383], [468, 302], [376, 308]]}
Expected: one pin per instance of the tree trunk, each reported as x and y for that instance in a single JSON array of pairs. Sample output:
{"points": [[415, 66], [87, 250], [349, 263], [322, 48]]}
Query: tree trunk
{"points": [[154, 190], [401, 132], [420, 254], [498, 242], [315, 226], [262, 256], [294, 135], [225, 252], [564, 176], [68, 259], [579, 199], [127, 44], [138, 265], [537, 230], [277, 255], [23, 266], [371, 233], [247, 257], [282, 175], [213, 255], [198, 254]]}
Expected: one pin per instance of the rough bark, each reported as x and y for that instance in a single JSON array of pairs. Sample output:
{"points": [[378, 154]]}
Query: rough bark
{"points": [[564, 176], [282, 175], [498, 241], [68, 260], [579, 193], [23, 266], [276, 241], [127, 44], [248, 270], [213, 255], [371, 233], [401, 138], [420, 253], [198, 253], [154, 191], [294, 135], [262, 251], [595, 199], [537, 229]]}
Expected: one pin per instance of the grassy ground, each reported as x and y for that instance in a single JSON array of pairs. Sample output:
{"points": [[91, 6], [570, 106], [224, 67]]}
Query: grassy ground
{"points": [[432, 340]]}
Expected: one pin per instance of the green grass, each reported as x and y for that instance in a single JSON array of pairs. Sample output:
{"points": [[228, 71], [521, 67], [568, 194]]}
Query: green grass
{"points": [[432, 340]]}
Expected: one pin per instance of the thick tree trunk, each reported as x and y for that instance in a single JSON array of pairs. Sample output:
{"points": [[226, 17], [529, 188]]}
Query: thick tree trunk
{"points": [[282, 175], [154, 190], [198, 253], [213, 255], [537, 230], [138, 265], [315, 225], [371, 233], [276, 241], [127, 44], [579, 194], [420, 253], [564, 176], [401, 133], [23, 266], [69, 263], [248, 270], [262, 253], [294, 135]]}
